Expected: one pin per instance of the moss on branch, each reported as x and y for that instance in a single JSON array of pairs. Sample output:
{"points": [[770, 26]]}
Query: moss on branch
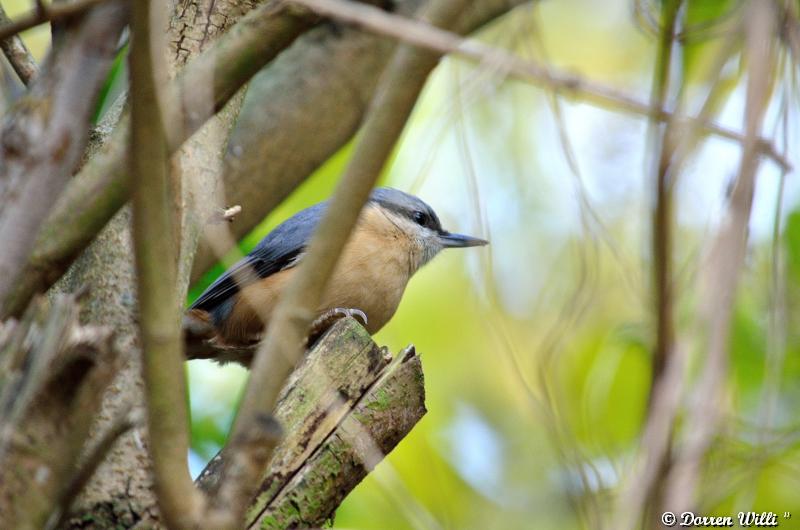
{"points": [[345, 407]]}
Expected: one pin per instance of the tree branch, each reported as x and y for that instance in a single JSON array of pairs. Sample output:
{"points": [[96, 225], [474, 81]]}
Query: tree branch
{"points": [[17, 53], [156, 247], [373, 420], [663, 147], [121, 492], [44, 135], [52, 13], [100, 189], [720, 276], [442, 41], [281, 349], [642, 488]]}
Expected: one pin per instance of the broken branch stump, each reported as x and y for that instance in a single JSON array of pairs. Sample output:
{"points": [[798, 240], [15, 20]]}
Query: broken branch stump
{"points": [[343, 410]]}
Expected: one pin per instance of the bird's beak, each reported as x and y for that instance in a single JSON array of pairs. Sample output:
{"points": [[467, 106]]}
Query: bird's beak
{"points": [[460, 240]]}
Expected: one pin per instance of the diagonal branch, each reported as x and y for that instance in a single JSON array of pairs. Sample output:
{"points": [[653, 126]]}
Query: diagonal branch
{"points": [[44, 135], [281, 349], [17, 53], [51, 13], [443, 41]]}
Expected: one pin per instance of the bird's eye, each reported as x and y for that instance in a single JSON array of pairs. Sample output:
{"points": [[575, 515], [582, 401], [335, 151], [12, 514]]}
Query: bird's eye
{"points": [[421, 218]]}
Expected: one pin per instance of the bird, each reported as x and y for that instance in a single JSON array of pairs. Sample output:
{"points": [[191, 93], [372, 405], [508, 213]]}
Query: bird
{"points": [[395, 235]]}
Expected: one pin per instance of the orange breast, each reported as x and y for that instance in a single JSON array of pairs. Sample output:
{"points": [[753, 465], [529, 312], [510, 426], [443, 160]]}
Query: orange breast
{"points": [[371, 275]]}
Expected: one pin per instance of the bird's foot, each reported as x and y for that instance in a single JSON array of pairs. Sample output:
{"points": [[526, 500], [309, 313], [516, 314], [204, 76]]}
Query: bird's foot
{"points": [[329, 318]]}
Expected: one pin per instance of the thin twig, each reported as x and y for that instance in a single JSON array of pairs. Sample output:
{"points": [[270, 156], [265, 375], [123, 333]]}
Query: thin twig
{"points": [[281, 349], [17, 53], [719, 283], [777, 315], [53, 13], [154, 222], [664, 145], [665, 175], [676, 146], [420, 34]]}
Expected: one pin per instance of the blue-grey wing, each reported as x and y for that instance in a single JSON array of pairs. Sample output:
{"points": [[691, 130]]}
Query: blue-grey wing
{"points": [[277, 251]]}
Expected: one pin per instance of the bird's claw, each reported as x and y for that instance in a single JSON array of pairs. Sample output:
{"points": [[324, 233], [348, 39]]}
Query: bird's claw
{"points": [[352, 313], [330, 317]]}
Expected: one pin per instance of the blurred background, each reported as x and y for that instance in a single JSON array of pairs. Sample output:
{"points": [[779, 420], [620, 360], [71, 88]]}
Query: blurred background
{"points": [[537, 349]]}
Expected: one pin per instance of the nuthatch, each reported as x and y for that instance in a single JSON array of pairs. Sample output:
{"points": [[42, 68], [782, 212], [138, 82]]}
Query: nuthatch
{"points": [[396, 234]]}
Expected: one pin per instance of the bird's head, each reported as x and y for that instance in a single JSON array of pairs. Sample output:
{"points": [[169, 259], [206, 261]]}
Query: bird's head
{"points": [[419, 222]]}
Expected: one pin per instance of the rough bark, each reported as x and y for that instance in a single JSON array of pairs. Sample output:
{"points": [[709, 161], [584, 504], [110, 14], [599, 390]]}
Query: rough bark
{"points": [[120, 492], [197, 22], [52, 372], [372, 429], [345, 408], [44, 134]]}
